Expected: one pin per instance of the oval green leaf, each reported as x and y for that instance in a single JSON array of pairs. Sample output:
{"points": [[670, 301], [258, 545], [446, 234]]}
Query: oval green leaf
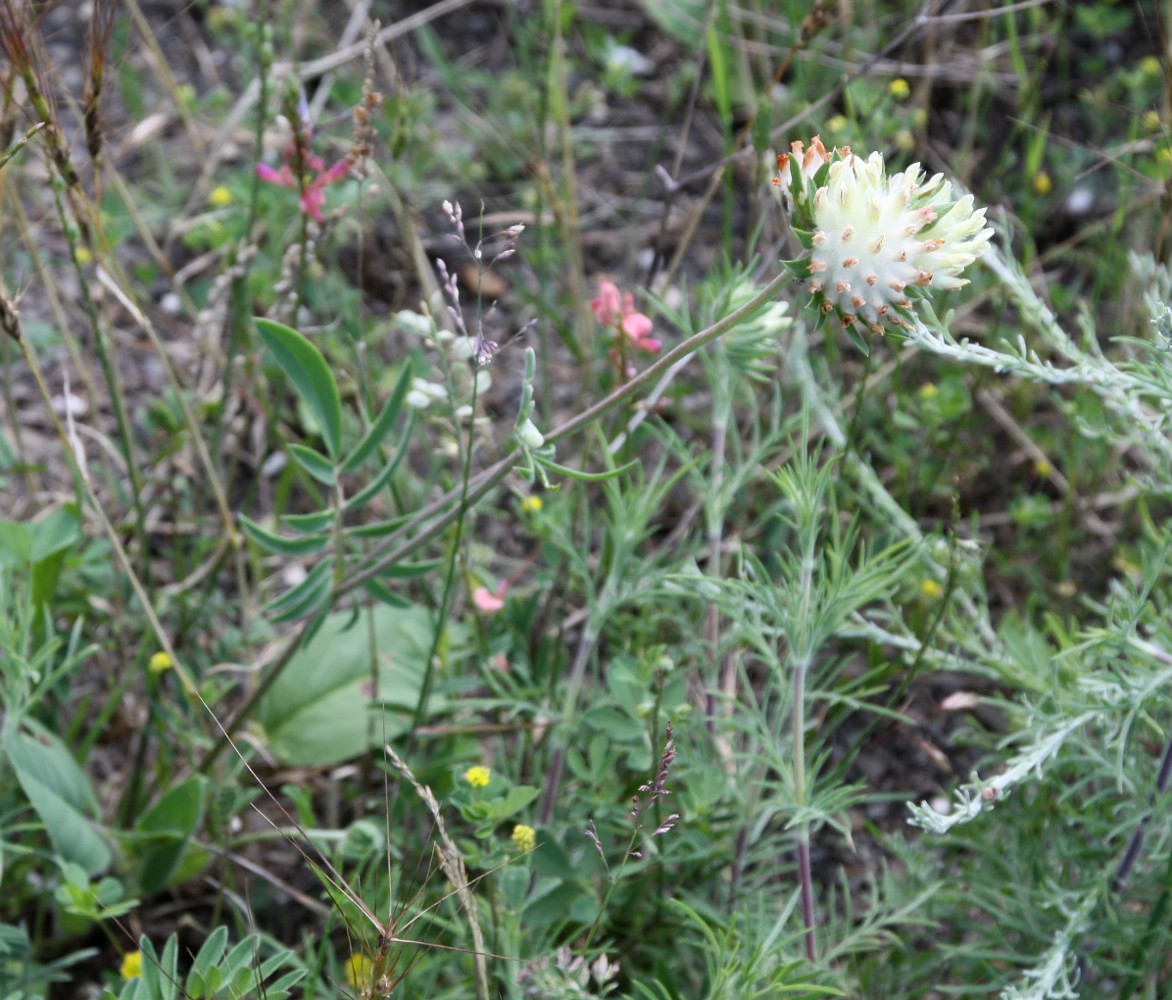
{"points": [[305, 367]]}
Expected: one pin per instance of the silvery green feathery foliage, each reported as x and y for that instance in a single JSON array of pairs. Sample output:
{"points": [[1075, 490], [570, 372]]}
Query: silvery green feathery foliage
{"points": [[876, 241]]}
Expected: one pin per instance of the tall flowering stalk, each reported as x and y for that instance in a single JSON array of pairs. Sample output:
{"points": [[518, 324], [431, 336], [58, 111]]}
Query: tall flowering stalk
{"points": [[303, 169], [875, 242]]}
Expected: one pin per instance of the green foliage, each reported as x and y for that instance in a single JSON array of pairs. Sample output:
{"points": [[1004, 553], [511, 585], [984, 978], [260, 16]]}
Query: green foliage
{"points": [[708, 616]]}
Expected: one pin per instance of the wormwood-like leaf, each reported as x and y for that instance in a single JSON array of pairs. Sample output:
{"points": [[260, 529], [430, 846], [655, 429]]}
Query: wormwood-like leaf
{"points": [[305, 367]]}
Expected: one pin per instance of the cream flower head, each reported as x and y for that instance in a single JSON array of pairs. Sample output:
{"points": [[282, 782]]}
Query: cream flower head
{"points": [[876, 241]]}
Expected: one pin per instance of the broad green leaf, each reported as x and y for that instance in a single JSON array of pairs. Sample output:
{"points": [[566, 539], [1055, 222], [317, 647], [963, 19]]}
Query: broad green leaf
{"points": [[305, 367], [317, 465], [172, 822], [61, 795], [321, 710], [16, 543], [272, 542], [381, 426], [54, 534]]}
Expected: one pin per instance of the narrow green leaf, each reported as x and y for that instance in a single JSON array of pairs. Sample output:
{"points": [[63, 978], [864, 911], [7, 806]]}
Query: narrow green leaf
{"points": [[404, 571], [382, 424], [317, 465], [586, 477], [378, 529], [307, 524], [310, 595], [272, 542], [384, 595], [305, 367], [376, 485]]}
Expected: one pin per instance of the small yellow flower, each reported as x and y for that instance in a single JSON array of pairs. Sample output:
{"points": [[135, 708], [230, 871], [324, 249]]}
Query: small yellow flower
{"points": [[358, 970], [1149, 66], [219, 197], [1043, 468], [836, 124], [524, 838], [1042, 183], [83, 255], [477, 776], [131, 965], [930, 590], [899, 89], [531, 504], [1164, 155], [159, 663], [904, 140], [929, 390]]}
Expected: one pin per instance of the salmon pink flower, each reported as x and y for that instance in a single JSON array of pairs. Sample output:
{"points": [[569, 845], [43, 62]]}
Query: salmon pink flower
{"points": [[633, 328], [486, 601]]}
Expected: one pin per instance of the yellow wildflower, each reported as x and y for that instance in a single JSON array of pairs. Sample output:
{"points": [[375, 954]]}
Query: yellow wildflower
{"points": [[899, 89], [159, 663], [358, 970], [1043, 468], [1042, 183], [930, 590], [929, 390], [131, 965], [524, 837], [477, 776], [836, 124], [83, 255], [219, 197], [1150, 66], [531, 504]]}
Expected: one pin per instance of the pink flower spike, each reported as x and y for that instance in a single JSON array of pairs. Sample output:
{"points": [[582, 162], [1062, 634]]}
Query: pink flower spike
{"points": [[609, 303], [486, 601]]}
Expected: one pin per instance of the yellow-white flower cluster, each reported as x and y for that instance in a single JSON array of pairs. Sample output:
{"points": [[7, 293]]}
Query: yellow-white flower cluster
{"points": [[875, 241]]}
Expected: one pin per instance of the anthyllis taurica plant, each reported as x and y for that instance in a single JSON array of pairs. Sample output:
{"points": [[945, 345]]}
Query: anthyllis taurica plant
{"points": [[875, 242]]}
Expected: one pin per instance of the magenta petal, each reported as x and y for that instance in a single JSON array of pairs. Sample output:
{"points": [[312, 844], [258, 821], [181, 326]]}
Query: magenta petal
{"points": [[270, 176], [335, 173]]}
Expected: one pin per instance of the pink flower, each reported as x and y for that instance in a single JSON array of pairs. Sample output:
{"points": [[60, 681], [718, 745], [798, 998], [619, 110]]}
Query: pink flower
{"points": [[618, 310], [486, 601], [313, 196], [608, 304]]}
